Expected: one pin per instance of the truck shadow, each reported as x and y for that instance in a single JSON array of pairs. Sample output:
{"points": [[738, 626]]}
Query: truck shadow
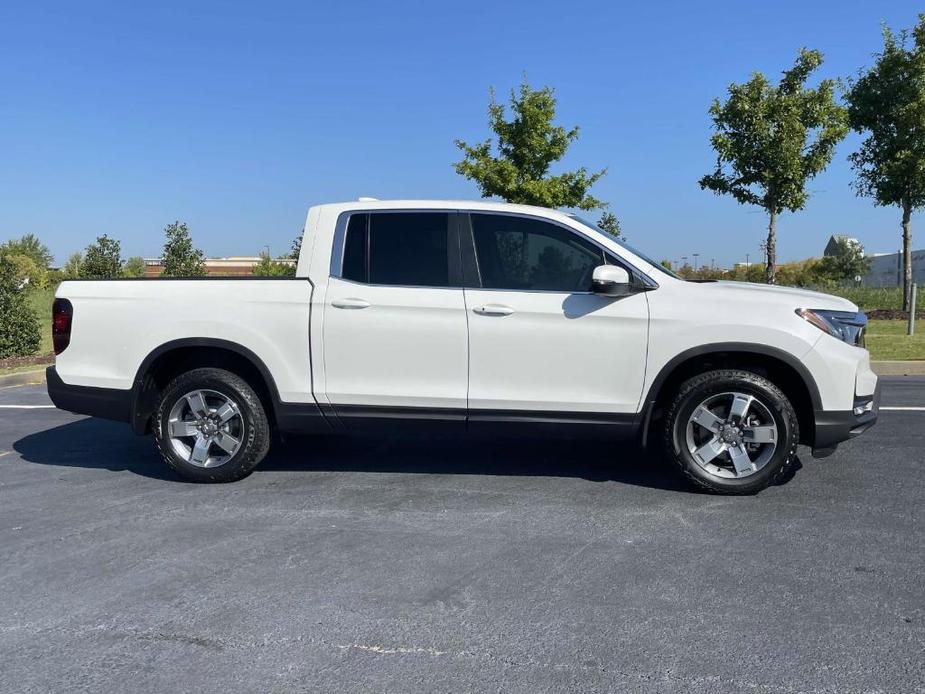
{"points": [[100, 444]]}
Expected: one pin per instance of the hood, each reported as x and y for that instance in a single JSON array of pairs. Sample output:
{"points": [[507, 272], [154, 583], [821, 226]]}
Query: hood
{"points": [[799, 298]]}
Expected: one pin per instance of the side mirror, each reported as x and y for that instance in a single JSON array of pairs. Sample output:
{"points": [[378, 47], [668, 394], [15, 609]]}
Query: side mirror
{"points": [[610, 280]]}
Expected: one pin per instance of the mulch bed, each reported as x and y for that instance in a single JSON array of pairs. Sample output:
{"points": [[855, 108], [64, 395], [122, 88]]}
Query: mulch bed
{"points": [[37, 359], [893, 314]]}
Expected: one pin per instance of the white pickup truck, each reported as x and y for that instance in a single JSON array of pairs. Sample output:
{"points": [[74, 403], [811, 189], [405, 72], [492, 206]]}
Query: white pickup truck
{"points": [[467, 314]]}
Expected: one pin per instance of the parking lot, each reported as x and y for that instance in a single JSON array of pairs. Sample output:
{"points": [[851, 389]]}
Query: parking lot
{"points": [[396, 564]]}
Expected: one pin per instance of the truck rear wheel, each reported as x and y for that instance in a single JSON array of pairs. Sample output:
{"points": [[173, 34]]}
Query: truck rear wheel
{"points": [[731, 431], [210, 426]]}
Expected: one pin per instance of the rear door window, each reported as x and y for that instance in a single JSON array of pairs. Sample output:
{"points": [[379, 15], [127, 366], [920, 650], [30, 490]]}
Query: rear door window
{"points": [[398, 249]]}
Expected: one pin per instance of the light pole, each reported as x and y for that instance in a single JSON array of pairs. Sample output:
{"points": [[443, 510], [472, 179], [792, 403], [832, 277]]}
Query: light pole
{"points": [[695, 260], [747, 264]]}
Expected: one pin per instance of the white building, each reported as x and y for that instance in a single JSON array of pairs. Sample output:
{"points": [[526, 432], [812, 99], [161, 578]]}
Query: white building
{"points": [[886, 269]]}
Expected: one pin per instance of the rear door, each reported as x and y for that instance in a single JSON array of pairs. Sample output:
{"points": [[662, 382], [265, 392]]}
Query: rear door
{"points": [[395, 341], [541, 344]]}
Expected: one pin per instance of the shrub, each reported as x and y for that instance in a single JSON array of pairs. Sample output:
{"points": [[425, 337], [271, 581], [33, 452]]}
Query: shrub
{"points": [[103, 259], [134, 267], [35, 276], [267, 267], [19, 325]]}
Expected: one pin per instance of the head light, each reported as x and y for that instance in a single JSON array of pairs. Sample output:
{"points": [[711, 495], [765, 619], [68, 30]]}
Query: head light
{"points": [[847, 326]]}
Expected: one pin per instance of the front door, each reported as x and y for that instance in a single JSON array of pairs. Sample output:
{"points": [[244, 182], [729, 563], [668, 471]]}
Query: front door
{"points": [[394, 330], [541, 345]]}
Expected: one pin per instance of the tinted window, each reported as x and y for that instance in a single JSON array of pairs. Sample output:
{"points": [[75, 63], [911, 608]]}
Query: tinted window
{"points": [[521, 253], [355, 249], [401, 248]]}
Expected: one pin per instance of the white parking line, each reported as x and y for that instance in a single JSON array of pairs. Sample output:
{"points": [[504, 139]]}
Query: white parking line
{"points": [[904, 409]]}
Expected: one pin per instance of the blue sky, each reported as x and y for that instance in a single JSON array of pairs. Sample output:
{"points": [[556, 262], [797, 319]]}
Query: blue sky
{"points": [[119, 117]]}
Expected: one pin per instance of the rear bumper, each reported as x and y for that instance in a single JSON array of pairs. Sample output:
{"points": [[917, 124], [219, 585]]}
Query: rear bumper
{"points": [[833, 427], [109, 403]]}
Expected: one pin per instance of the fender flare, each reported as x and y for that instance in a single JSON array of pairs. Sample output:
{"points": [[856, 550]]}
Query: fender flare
{"points": [[138, 413], [787, 358]]}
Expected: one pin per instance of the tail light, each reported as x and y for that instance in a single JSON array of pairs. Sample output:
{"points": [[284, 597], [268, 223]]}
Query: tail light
{"points": [[62, 314]]}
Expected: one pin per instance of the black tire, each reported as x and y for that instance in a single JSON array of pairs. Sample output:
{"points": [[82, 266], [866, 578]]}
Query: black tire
{"points": [[699, 389], [253, 429]]}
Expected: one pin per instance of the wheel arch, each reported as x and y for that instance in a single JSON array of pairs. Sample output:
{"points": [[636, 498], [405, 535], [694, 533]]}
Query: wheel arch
{"points": [[172, 358], [780, 367]]}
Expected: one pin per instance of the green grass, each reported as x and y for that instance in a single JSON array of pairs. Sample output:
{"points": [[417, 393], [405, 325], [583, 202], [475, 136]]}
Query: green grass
{"points": [[41, 300], [870, 298], [887, 341]]}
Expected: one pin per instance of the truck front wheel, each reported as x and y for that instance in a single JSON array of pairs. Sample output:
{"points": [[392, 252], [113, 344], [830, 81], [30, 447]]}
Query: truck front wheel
{"points": [[210, 426], [731, 431]]}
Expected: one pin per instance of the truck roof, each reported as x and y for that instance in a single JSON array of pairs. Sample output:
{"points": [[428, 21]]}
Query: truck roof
{"points": [[487, 205]]}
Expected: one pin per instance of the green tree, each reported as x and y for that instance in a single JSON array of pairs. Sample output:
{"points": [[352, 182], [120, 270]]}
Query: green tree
{"points": [[665, 263], [71, 269], [34, 276], [771, 139], [267, 267], [19, 325], [102, 260], [134, 267], [29, 246], [296, 248], [887, 104], [609, 223], [527, 146], [181, 258], [848, 262]]}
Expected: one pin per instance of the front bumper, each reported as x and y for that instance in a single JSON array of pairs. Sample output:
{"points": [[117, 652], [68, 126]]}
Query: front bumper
{"points": [[109, 403], [833, 427]]}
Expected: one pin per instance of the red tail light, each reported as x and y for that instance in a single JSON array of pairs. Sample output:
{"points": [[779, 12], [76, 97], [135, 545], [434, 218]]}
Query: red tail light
{"points": [[61, 315]]}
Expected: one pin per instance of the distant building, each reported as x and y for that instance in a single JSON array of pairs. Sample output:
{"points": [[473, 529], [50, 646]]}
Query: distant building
{"points": [[234, 266], [832, 246], [886, 269]]}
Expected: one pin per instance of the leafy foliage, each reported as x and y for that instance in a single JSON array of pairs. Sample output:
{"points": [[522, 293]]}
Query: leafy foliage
{"points": [[848, 262], [71, 269], [887, 103], [134, 267], [102, 260], [181, 258], [19, 327], [34, 276], [771, 139], [29, 246], [609, 223], [267, 267], [296, 247], [527, 146]]}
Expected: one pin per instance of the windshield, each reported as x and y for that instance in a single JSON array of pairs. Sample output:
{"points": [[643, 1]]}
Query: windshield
{"points": [[622, 244]]}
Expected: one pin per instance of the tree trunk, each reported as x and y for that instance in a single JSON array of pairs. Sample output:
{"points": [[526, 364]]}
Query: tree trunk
{"points": [[907, 256], [771, 248]]}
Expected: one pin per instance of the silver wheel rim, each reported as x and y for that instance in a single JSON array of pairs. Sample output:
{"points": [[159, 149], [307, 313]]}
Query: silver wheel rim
{"points": [[731, 435], [206, 428]]}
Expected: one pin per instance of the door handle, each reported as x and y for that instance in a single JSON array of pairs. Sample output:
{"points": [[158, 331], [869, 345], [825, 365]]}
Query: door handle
{"points": [[350, 303], [493, 310]]}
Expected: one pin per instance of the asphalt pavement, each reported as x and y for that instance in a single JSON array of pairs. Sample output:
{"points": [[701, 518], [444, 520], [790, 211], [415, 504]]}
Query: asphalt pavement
{"points": [[435, 564]]}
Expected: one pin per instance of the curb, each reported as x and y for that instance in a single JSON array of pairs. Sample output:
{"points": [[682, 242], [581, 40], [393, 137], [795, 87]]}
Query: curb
{"points": [[23, 378], [898, 368]]}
